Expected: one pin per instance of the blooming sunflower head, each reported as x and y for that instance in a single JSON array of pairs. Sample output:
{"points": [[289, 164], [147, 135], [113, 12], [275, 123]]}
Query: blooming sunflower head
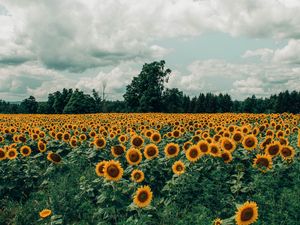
{"points": [[193, 153], [263, 162], [151, 151], [118, 150], [143, 196], [25, 150], [171, 150], [137, 176], [287, 152], [226, 156], [113, 170], [54, 157], [100, 142], [203, 146], [100, 168], [178, 167], [228, 144], [250, 142], [247, 213], [137, 141], [217, 221], [134, 156], [273, 149]]}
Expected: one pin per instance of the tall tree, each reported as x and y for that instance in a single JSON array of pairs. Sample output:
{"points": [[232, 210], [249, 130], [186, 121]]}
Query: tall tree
{"points": [[145, 91], [29, 105], [80, 103], [173, 100]]}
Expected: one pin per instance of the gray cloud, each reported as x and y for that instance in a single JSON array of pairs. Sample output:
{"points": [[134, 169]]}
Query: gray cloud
{"points": [[238, 79], [48, 45], [77, 35]]}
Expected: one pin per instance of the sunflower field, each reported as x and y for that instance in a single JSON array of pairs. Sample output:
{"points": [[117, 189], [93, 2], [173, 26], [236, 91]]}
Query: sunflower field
{"points": [[150, 168]]}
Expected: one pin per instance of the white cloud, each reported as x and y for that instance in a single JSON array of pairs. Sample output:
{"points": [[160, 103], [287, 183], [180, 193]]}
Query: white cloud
{"points": [[264, 54], [238, 79], [40, 38], [77, 35], [114, 82], [288, 54]]}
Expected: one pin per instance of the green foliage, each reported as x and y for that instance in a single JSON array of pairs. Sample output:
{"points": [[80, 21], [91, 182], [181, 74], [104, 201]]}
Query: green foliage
{"points": [[144, 94], [29, 105], [79, 103]]}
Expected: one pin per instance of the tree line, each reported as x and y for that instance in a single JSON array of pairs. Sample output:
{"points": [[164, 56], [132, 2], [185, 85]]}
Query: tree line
{"points": [[147, 93]]}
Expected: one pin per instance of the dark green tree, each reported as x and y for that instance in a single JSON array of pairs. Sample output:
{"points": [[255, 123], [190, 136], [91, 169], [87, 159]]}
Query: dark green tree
{"points": [[42, 108], [173, 100], [144, 94], [80, 103], [29, 105]]}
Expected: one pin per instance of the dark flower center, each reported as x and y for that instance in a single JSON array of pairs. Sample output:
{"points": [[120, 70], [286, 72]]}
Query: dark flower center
{"points": [[143, 196], [113, 171], [262, 162], [247, 214]]}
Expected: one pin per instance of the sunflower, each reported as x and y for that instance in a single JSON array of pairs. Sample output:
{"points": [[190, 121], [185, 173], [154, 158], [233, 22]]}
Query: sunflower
{"points": [[249, 142], [171, 150], [113, 170], [82, 137], [178, 167], [137, 176], [217, 221], [42, 146], [151, 151], [270, 133], [12, 153], [226, 156], [137, 141], [287, 152], [215, 150], [228, 144], [247, 213], [100, 168], [193, 153], [186, 145], [122, 138], [237, 136], [143, 196], [216, 137], [22, 138], [176, 133], [273, 149], [25, 150], [283, 141], [263, 162], [203, 146], [45, 213], [196, 138], [59, 136], [134, 156], [54, 157], [155, 137], [264, 144], [73, 142], [2, 154], [100, 142], [66, 136], [279, 134], [148, 133], [117, 150]]}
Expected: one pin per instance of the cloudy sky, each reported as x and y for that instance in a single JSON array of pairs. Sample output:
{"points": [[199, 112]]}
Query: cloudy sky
{"points": [[240, 47]]}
